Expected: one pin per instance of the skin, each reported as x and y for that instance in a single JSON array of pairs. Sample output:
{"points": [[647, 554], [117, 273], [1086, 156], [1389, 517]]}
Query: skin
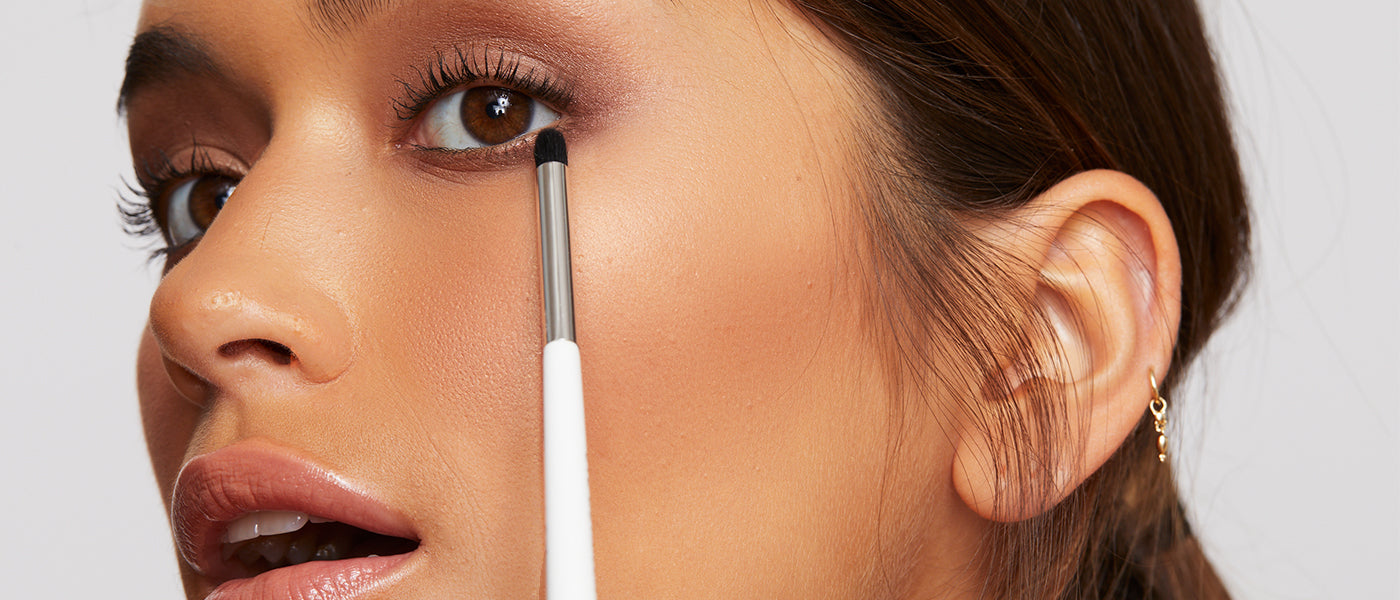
{"points": [[740, 424]]}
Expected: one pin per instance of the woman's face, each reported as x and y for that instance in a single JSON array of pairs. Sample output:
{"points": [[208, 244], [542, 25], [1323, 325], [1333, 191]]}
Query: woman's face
{"points": [[364, 313]]}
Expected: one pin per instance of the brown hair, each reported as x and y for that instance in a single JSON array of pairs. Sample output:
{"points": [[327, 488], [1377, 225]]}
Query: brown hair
{"points": [[987, 104]]}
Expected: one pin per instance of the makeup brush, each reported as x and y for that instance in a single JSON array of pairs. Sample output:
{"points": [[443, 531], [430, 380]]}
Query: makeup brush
{"points": [[567, 517]]}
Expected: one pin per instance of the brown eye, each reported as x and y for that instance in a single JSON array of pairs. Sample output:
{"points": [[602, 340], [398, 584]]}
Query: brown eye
{"points": [[495, 115], [481, 116], [191, 206]]}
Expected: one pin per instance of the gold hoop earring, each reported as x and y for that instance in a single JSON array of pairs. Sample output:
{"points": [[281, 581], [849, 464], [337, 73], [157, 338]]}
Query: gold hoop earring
{"points": [[1158, 406]]}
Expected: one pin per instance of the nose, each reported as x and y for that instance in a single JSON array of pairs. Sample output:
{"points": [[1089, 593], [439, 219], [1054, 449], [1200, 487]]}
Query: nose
{"points": [[226, 320]]}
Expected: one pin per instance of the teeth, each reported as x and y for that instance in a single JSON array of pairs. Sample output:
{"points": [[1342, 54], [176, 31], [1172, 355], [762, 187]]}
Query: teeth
{"points": [[335, 548], [327, 552], [268, 540], [265, 522], [271, 550], [302, 548]]}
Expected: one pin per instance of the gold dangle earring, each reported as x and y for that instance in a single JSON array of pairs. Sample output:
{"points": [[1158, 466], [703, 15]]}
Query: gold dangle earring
{"points": [[1158, 406]]}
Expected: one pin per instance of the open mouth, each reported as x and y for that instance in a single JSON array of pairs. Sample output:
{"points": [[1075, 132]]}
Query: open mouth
{"points": [[265, 540], [255, 521]]}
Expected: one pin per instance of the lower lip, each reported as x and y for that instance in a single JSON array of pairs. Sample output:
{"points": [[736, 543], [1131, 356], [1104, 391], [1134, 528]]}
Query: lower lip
{"points": [[322, 580]]}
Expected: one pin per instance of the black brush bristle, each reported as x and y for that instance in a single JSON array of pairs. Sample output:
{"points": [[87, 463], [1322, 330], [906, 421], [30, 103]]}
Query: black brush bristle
{"points": [[549, 147]]}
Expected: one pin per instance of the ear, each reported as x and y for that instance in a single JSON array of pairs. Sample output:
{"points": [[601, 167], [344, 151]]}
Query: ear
{"points": [[1106, 277]]}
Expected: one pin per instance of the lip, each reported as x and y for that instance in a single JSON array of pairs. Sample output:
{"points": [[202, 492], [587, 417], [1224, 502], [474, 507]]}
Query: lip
{"points": [[216, 488]]}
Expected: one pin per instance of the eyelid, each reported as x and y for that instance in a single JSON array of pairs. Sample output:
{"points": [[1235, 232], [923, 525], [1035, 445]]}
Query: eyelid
{"points": [[165, 171], [470, 65]]}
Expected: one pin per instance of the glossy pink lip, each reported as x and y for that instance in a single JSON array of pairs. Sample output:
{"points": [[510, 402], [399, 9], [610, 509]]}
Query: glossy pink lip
{"points": [[221, 486]]}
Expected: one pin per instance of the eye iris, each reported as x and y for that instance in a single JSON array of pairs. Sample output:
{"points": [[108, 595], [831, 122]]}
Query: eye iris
{"points": [[207, 198], [495, 115]]}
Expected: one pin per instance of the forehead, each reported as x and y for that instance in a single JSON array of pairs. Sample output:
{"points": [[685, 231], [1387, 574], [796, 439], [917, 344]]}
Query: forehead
{"points": [[249, 30], [329, 20], [263, 45], [327, 16], [243, 34]]}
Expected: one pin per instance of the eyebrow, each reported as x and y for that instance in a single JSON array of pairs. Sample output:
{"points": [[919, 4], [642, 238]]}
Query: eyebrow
{"points": [[333, 18], [166, 51], [160, 54]]}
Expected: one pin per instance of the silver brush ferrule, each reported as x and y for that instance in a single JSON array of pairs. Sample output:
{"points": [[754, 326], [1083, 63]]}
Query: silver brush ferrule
{"points": [[554, 251]]}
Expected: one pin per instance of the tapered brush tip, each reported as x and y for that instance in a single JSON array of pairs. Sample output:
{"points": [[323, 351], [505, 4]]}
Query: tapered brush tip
{"points": [[549, 147]]}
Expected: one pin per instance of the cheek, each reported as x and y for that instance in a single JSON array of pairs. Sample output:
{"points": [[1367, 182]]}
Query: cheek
{"points": [[721, 336], [709, 249], [699, 277], [709, 293], [168, 419]]}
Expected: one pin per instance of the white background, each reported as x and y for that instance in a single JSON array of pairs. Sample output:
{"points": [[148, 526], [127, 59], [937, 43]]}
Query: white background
{"points": [[1287, 442]]}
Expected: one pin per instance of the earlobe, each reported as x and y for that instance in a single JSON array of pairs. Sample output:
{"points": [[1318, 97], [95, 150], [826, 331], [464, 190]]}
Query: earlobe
{"points": [[1103, 265]]}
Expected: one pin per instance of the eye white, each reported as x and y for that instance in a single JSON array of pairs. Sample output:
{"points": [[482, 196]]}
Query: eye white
{"points": [[177, 214], [443, 127]]}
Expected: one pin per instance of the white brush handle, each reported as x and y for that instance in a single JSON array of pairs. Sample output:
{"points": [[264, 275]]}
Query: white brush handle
{"points": [[567, 517]]}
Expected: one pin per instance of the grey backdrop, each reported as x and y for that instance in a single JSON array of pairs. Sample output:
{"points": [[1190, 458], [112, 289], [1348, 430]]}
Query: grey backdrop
{"points": [[1287, 449]]}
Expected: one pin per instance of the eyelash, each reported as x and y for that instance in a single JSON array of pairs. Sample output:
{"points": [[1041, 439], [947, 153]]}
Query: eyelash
{"points": [[448, 71], [462, 66], [153, 180]]}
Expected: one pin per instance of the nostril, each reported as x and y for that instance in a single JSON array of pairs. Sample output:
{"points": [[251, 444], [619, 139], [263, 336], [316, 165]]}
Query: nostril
{"points": [[267, 349]]}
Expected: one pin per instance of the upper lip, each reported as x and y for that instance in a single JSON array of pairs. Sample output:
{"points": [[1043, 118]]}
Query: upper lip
{"points": [[221, 486]]}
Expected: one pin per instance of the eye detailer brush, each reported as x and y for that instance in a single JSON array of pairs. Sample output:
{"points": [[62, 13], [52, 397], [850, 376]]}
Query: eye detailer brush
{"points": [[568, 517]]}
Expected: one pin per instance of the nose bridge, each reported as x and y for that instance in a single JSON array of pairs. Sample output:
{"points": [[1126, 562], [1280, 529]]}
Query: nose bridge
{"points": [[259, 299]]}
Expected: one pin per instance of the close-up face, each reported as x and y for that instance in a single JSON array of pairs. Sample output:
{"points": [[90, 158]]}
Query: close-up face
{"points": [[349, 325]]}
